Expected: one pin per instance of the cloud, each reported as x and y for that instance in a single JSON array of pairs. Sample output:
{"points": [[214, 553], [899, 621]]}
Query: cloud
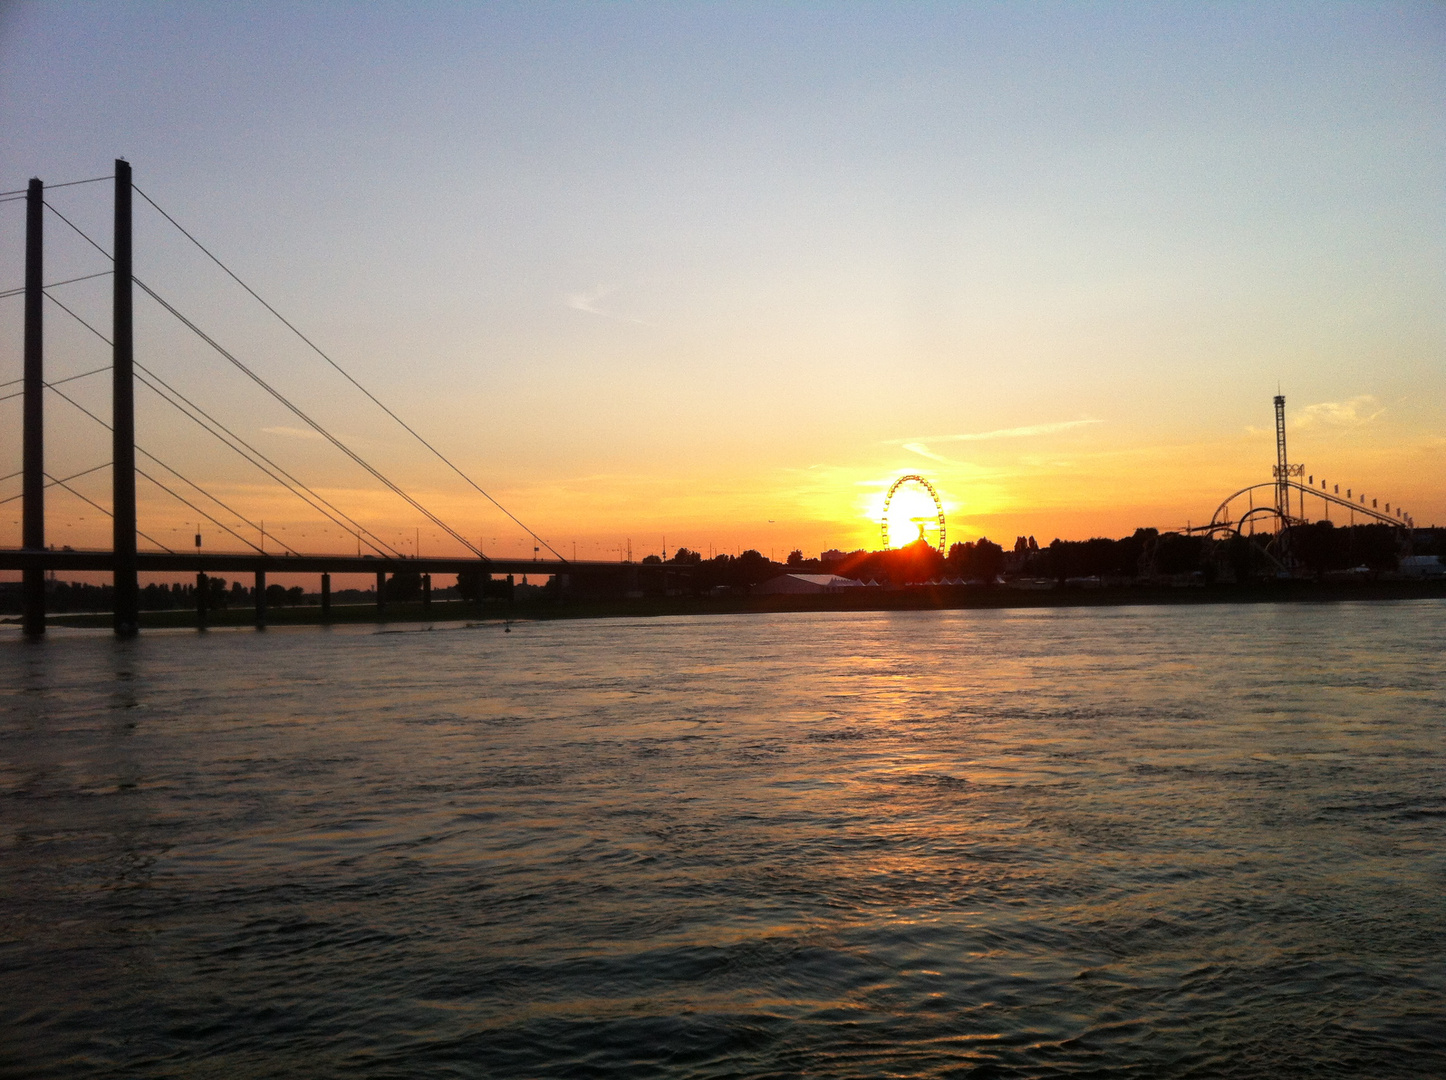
{"points": [[1352, 413], [918, 445], [590, 301], [353, 441], [924, 451]]}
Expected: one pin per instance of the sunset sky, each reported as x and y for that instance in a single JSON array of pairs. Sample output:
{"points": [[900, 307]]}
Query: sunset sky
{"points": [[720, 272]]}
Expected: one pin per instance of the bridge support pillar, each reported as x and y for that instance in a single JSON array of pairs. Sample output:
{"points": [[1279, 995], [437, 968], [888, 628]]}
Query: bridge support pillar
{"points": [[326, 596], [203, 586], [260, 599], [33, 439], [381, 591], [123, 416], [426, 592]]}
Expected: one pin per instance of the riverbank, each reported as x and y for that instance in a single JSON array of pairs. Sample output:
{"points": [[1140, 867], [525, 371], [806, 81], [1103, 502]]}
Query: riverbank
{"points": [[914, 599]]}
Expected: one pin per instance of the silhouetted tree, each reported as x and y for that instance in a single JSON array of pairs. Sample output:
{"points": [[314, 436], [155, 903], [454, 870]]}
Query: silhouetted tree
{"points": [[1059, 558], [980, 559], [1315, 546], [988, 558], [1176, 553], [1243, 558], [1131, 550], [753, 567]]}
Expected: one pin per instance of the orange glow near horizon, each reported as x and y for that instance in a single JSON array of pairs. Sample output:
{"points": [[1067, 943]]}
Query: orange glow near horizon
{"points": [[1063, 485]]}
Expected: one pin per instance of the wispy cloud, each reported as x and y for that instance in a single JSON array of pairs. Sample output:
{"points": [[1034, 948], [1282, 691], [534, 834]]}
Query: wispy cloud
{"points": [[923, 451], [591, 302], [1352, 413], [999, 433], [307, 434]]}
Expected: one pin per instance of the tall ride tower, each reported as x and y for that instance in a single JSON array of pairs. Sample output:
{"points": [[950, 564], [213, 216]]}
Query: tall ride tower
{"points": [[1283, 469]]}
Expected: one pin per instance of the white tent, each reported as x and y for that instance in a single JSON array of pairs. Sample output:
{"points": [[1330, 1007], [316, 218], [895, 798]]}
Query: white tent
{"points": [[804, 583]]}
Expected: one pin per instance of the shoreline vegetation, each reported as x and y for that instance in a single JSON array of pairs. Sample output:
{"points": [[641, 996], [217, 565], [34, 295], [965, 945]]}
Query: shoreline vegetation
{"points": [[915, 598]]}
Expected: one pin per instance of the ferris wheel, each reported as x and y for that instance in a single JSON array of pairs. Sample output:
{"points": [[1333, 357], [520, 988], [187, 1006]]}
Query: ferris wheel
{"points": [[922, 522]]}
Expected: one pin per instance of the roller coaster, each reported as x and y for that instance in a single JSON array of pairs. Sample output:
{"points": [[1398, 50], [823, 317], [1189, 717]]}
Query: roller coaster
{"points": [[1275, 507]]}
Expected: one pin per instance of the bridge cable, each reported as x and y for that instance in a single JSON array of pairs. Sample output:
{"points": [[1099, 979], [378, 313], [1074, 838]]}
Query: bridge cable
{"points": [[82, 322], [57, 382], [346, 523], [80, 232], [107, 513], [173, 404], [335, 516], [198, 487], [346, 375], [51, 187], [53, 481], [276, 393], [208, 517], [299, 414], [56, 284]]}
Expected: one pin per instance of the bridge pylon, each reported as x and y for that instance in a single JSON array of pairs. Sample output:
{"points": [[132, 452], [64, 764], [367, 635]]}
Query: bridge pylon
{"points": [[123, 416], [32, 512]]}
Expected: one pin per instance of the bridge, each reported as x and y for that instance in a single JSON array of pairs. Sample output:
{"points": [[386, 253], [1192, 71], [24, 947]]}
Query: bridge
{"points": [[125, 560]]}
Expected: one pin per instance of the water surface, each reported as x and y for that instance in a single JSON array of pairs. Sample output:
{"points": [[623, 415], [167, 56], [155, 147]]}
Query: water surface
{"points": [[1073, 842]]}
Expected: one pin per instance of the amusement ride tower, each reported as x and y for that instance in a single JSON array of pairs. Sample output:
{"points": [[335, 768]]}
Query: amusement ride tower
{"points": [[1284, 470]]}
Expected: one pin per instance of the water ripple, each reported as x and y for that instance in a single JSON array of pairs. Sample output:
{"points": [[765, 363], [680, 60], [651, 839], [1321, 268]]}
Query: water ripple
{"points": [[1116, 842]]}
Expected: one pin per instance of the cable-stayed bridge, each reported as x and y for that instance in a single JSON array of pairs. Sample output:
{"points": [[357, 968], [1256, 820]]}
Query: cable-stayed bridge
{"points": [[127, 557]]}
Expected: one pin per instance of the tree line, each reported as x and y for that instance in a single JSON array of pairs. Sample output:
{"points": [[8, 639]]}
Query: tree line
{"points": [[1319, 548]]}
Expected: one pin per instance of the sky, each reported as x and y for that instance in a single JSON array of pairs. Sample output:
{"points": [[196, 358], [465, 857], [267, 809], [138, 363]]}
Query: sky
{"points": [[716, 275]]}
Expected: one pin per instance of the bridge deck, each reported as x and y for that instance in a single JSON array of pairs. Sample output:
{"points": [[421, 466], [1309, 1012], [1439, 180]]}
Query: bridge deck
{"points": [[244, 563]]}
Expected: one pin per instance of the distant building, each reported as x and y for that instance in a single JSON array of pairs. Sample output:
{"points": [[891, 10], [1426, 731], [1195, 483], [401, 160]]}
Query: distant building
{"points": [[833, 555], [804, 583]]}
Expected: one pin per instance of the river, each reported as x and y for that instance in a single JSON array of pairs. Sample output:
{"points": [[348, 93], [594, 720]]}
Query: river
{"points": [[1153, 841]]}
